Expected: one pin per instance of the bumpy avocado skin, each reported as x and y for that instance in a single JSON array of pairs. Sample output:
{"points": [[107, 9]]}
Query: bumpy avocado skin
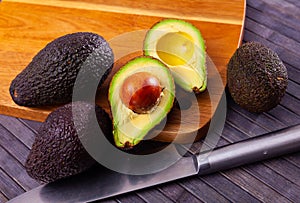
{"points": [[57, 151], [50, 76], [257, 79]]}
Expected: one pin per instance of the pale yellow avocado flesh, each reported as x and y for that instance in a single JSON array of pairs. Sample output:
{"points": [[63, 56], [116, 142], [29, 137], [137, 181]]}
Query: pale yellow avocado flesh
{"points": [[126, 133], [175, 48]]}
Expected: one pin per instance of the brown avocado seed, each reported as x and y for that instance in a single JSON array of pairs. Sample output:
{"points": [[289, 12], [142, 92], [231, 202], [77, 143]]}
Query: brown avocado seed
{"points": [[140, 92]]}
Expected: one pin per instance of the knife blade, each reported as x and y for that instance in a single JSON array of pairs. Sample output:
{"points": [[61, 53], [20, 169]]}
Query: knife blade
{"points": [[100, 183]]}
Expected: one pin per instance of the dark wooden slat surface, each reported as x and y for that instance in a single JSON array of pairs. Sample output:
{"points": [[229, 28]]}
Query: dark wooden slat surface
{"points": [[202, 191], [16, 149], [9, 188], [228, 189], [254, 186], [273, 23], [176, 193], [153, 195], [18, 129]]}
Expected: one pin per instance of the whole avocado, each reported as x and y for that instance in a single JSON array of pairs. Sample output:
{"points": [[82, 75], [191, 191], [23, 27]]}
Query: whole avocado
{"points": [[57, 151], [257, 79], [50, 76]]}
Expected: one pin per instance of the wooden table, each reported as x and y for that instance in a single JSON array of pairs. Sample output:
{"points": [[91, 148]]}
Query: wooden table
{"points": [[275, 24]]}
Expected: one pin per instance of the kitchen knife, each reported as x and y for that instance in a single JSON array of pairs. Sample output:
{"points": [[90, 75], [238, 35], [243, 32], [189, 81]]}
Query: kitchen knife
{"points": [[99, 182]]}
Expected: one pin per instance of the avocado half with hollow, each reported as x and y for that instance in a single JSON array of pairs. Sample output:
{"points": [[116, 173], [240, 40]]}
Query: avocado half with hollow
{"points": [[141, 94], [180, 46]]}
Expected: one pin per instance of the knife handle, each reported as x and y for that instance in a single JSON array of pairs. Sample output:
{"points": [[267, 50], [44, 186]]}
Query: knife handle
{"points": [[251, 150]]}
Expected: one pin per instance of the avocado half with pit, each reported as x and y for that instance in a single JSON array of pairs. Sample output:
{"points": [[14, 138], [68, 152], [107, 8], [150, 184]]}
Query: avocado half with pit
{"points": [[180, 46], [141, 94]]}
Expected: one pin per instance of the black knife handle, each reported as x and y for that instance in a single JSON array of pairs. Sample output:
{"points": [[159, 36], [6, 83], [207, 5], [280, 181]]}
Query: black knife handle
{"points": [[251, 150]]}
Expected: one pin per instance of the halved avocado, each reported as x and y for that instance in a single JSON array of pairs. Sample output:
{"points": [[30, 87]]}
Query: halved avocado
{"points": [[180, 46], [131, 125]]}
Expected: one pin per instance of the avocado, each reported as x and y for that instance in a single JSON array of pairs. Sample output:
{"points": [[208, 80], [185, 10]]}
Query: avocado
{"points": [[180, 46], [50, 76], [57, 151], [257, 79], [141, 94]]}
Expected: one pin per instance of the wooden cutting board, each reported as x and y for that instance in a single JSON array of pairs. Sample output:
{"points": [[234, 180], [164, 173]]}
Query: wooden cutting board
{"points": [[26, 26]]}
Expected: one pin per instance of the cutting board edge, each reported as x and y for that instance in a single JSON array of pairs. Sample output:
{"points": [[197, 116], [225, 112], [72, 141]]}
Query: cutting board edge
{"points": [[126, 10]]}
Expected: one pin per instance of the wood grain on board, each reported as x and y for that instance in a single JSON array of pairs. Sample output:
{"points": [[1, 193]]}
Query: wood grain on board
{"points": [[27, 26]]}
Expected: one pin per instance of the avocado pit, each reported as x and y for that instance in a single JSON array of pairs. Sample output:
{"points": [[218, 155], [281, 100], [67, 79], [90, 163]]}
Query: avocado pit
{"points": [[141, 92]]}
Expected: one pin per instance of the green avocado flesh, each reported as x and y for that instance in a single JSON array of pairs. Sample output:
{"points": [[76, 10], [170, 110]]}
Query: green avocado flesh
{"points": [[50, 77], [180, 46], [129, 127]]}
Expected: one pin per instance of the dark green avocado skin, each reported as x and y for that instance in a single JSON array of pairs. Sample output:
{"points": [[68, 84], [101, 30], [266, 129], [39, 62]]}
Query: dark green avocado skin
{"points": [[57, 151], [256, 77], [50, 76]]}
